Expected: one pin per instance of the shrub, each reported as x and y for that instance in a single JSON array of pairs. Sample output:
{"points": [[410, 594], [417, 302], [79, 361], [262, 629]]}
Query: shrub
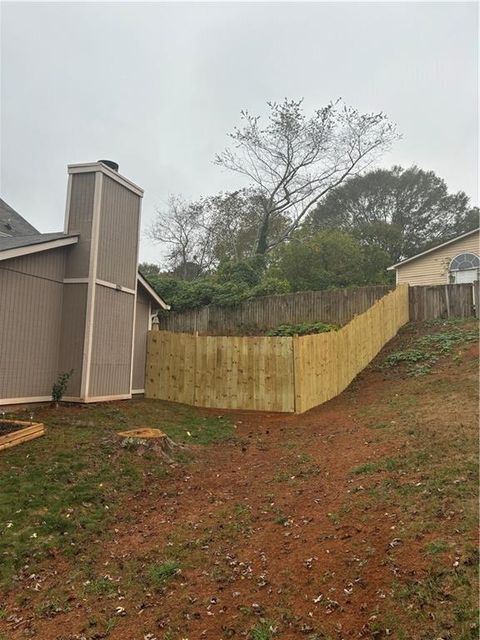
{"points": [[230, 294], [302, 329], [270, 286], [60, 386]]}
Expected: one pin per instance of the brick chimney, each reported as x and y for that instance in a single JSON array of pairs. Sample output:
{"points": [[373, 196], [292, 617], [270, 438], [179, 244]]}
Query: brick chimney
{"points": [[100, 282]]}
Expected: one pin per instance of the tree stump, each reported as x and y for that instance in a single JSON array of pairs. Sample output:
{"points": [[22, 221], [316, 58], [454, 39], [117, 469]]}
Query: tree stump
{"points": [[146, 439]]}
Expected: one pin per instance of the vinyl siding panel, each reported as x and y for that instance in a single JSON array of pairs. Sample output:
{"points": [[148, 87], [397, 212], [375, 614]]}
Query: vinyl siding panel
{"points": [[31, 298], [73, 334], [142, 321], [433, 267], [111, 343], [118, 236], [80, 221]]}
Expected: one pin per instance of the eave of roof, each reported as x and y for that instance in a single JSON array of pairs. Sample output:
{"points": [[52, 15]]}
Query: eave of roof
{"points": [[151, 291], [439, 246], [17, 246]]}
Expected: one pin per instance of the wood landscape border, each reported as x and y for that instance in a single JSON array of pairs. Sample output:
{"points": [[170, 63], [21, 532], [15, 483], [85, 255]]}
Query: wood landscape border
{"points": [[30, 431], [270, 373]]}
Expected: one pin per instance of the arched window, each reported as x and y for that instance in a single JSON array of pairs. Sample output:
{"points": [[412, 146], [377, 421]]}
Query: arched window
{"points": [[464, 262]]}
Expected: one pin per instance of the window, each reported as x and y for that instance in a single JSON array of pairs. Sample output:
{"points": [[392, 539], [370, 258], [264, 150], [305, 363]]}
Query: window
{"points": [[464, 262]]}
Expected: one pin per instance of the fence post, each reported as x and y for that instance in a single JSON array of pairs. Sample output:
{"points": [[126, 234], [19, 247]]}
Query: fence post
{"points": [[447, 300]]}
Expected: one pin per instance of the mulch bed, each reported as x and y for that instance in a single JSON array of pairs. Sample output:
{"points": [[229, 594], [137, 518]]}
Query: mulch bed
{"points": [[10, 426]]}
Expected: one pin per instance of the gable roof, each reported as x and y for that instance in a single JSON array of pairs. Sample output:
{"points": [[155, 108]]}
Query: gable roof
{"points": [[12, 223], [14, 247], [151, 291], [423, 253]]}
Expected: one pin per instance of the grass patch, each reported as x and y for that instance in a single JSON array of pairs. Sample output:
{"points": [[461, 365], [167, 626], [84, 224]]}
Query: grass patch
{"points": [[102, 586], [437, 546], [200, 430], [389, 464], [264, 630], [62, 490], [160, 574]]}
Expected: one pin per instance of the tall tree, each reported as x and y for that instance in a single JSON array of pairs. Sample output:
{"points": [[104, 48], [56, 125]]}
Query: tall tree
{"points": [[294, 161], [401, 211], [185, 228]]}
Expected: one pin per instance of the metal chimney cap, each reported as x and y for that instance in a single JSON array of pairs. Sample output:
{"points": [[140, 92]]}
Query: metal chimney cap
{"points": [[110, 163]]}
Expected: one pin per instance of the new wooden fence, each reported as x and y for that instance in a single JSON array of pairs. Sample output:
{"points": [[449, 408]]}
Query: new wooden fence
{"points": [[269, 373], [338, 306], [444, 301]]}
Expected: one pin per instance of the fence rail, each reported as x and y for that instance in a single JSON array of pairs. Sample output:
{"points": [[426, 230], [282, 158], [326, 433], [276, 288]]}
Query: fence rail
{"points": [[269, 373], [443, 301], [337, 306]]}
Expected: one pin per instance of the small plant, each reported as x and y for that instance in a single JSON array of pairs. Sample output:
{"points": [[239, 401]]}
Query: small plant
{"points": [[410, 356], [427, 350], [60, 386]]}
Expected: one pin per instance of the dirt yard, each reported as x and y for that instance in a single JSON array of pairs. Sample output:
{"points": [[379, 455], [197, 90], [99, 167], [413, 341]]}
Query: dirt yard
{"points": [[355, 520]]}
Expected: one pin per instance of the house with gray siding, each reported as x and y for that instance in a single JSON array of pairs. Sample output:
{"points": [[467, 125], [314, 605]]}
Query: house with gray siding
{"points": [[75, 300]]}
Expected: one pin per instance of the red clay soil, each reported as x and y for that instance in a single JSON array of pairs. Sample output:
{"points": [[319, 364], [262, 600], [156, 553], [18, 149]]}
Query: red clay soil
{"points": [[271, 543]]}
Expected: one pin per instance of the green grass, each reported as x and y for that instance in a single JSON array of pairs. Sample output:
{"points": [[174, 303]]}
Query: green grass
{"points": [[160, 574], [437, 546], [200, 430], [100, 586], [389, 464], [264, 630], [62, 490]]}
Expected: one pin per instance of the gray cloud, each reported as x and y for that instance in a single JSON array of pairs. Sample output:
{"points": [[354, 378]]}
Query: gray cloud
{"points": [[156, 87]]}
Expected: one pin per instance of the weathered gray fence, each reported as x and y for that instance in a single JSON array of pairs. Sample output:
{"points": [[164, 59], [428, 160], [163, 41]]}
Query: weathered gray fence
{"points": [[338, 306], [443, 301]]}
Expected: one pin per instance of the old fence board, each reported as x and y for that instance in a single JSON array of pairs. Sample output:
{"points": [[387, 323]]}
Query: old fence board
{"points": [[337, 306], [270, 373], [443, 301]]}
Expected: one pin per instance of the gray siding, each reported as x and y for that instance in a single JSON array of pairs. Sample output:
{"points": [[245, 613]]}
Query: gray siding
{"points": [[73, 334], [142, 320], [31, 297], [80, 221], [111, 343], [118, 237]]}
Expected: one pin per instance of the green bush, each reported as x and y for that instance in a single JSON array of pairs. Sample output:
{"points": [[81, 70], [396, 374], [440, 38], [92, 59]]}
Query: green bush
{"points": [[302, 329], [230, 294], [245, 272], [270, 286]]}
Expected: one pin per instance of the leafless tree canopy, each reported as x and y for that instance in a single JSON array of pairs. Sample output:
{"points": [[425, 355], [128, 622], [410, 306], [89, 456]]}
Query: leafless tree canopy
{"points": [[294, 161], [290, 164], [185, 228]]}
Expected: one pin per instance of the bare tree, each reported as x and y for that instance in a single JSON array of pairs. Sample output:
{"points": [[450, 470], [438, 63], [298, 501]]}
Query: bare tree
{"points": [[294, 161], [184, 227]]}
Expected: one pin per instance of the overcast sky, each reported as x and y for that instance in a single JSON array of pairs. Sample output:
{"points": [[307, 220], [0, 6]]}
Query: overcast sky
{"points": [[156, 87]]}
